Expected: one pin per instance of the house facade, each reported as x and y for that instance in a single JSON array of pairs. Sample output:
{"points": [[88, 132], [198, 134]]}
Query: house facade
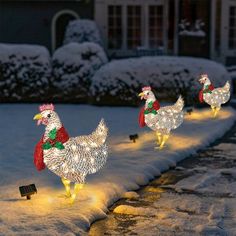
{"points": [[200, 28], [40, 22]]}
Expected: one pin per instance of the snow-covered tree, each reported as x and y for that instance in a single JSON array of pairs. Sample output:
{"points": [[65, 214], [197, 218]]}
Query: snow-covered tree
{"points": [[81, 31], [73, 66]]}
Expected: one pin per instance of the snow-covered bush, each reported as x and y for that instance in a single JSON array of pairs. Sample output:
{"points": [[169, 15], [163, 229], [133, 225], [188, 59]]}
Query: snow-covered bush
{"points": [[81, 31], [25, 71], [119, 81], [73, 66]]}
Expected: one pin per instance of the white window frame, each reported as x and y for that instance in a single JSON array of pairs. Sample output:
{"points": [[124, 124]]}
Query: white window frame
{"points": [[101, 17], [54, 21], [225, 50]]}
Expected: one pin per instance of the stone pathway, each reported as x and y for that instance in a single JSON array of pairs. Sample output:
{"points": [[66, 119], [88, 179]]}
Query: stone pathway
{"points": [[198, 197]]}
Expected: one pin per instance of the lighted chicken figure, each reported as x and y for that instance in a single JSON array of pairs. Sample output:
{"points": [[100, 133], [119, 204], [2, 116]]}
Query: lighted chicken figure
{"points": [[162, 120], [70, 158], [215, 97]]}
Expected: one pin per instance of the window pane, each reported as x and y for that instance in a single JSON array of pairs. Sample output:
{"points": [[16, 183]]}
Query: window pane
{"points": [[134, 26], [155, 26], [232, 28], [115, 27]]}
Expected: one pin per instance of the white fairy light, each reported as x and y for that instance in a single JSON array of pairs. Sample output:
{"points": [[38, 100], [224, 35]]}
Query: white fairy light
{"points": [[76, 157], [94, 144]]}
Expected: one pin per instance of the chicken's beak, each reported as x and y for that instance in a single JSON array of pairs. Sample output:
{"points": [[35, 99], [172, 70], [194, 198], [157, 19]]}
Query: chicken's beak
{"points": [[38, 117], [141, 95]]}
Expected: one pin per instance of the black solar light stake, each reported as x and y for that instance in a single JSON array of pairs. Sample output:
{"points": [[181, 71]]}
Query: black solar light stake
{"points": [[27, 191], [133, 137], [189, 110]]}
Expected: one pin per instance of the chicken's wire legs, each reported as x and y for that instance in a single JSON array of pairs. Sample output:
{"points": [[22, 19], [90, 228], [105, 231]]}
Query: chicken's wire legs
{"points": [[77, 187], [164, 139], [66, 183], [161, 139], [215, 110]]}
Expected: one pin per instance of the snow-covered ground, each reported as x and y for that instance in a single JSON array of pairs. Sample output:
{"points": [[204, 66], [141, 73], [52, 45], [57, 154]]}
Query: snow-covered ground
{"points": [[129, 165], [195, 198]]}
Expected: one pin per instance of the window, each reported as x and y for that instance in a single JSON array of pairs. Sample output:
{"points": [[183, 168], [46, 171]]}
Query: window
{"points": [[232, 27], [134, 27], [155, 26], [114, 27]]}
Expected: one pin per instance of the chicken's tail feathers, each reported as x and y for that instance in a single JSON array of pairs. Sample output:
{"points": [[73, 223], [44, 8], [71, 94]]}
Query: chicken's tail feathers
{"points": [[227, 86], [179, 105], [97, 138], [101, 132]]}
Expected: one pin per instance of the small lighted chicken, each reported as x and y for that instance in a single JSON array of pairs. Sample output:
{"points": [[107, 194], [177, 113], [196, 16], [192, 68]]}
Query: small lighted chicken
{"points": [[70, 158], [162, 120], [215, 97]]}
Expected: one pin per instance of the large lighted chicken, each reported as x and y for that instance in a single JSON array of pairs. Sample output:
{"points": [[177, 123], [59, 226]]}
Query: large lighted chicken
{"points": [[162, 120], [70, 158], [215, 97]]}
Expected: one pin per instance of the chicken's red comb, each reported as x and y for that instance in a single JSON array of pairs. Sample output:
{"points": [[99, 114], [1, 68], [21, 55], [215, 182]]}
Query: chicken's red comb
{"points": [[45, 107], [147, 88]]}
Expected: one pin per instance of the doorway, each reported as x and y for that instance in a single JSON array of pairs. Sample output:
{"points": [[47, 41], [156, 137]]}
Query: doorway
{"points": [[194, 28], [59, 23]]}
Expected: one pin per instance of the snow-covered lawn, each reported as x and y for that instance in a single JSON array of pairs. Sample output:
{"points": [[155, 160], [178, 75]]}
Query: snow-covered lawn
{"points": [[196, 198], [129, 165]]}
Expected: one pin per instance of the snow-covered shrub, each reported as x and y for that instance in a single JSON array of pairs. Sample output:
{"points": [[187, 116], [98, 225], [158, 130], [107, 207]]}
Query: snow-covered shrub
{"points": [[25, 71], [81, 31], [73, 66], [119, 81]]}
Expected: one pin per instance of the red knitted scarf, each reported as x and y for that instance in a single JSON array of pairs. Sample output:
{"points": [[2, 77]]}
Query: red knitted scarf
{"points": [[200, 95], [62, 136]]}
